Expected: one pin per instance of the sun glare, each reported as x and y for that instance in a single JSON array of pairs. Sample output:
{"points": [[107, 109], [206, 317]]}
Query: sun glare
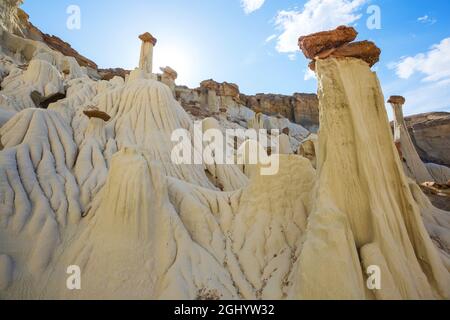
{"points": [[177, 57]]}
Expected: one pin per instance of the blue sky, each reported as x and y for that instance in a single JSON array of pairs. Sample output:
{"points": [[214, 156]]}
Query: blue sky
{"points": [[254, 42]]}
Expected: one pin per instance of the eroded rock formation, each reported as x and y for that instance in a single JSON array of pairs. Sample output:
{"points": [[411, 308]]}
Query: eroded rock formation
{"points": [[414, 166], [212, 96], [351, 196], [430, 133], [110, 198], [146, 60]]}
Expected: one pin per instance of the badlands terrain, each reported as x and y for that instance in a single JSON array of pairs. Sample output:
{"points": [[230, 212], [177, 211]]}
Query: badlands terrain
{"points": [[87, 179]]}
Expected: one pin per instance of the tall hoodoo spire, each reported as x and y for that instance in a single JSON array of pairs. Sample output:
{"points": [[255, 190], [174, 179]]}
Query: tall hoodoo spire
{"points": [[146, 59], [357, 162], [414, 165]]}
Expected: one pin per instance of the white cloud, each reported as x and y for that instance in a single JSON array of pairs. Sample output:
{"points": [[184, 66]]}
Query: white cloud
{"points": [[309, 75], [251, 5], [433, 93], [428, 98], [434, 64], [292, 56], [317, 15], [427, 19], [270, 38]]}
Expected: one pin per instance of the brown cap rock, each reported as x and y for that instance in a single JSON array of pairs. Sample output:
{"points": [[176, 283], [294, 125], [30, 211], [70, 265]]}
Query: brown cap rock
{"points": [[397, 100], [313, 44], [364, 50], [210, 84], [170, 72], [147, 37], [95, 113]]}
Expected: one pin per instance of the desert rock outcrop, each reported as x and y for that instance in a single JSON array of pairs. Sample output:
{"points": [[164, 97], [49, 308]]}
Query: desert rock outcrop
{"points": [[378, 221], [95, 181], [146, 60], [430, 133], [414, 166]]}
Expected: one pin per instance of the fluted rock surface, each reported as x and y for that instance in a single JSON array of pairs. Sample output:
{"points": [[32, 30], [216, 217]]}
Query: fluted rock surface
{"points": [[431, 136]]}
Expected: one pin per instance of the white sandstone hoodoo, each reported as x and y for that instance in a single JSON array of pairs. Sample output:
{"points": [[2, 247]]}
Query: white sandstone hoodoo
{"points": [[357, 164], [168, 77], [414, 166], [146, 59]]}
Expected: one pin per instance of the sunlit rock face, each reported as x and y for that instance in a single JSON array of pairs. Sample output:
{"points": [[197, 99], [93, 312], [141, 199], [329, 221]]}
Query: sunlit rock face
{"points": [[363, 192], [430, 133], [373, 216], [300, 108], [414, 166], [90, 181], [11, 17]]}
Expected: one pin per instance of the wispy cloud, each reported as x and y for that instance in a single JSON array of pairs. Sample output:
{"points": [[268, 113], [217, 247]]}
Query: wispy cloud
{"points": [[433, 92], [292, 56], [250, 6], [316, 15], [270, 38], [427, 19], [309, 75], [434, 64]]}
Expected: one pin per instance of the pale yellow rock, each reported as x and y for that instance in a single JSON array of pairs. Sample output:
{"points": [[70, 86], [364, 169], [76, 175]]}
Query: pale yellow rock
{"points": [[168, 77], [414, 165], [308, 149], [257, 123], [352, 205], [146, 58]]}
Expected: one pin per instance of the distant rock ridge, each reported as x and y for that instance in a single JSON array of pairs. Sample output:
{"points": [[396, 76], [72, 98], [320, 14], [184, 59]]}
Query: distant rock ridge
{"points": [[430, 133], [300, 108]]}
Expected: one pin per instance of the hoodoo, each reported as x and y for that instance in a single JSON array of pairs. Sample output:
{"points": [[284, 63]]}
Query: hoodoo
{"points": [[414, 166], [146, 60], [168, 77], [365, 225]]}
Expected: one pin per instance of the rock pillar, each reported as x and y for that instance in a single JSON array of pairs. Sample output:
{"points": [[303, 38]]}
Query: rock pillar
{"points": [[146, 59]]}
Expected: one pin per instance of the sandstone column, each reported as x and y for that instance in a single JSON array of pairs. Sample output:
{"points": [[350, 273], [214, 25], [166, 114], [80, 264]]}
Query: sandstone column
{"points": [[168, 77], [209, 97], [365, 213], [414, 165], [146, 59]]}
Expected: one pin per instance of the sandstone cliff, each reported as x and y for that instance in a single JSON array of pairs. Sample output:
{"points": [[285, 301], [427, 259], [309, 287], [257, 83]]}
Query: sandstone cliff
{"points": [[300, 108], [431, 136]]}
